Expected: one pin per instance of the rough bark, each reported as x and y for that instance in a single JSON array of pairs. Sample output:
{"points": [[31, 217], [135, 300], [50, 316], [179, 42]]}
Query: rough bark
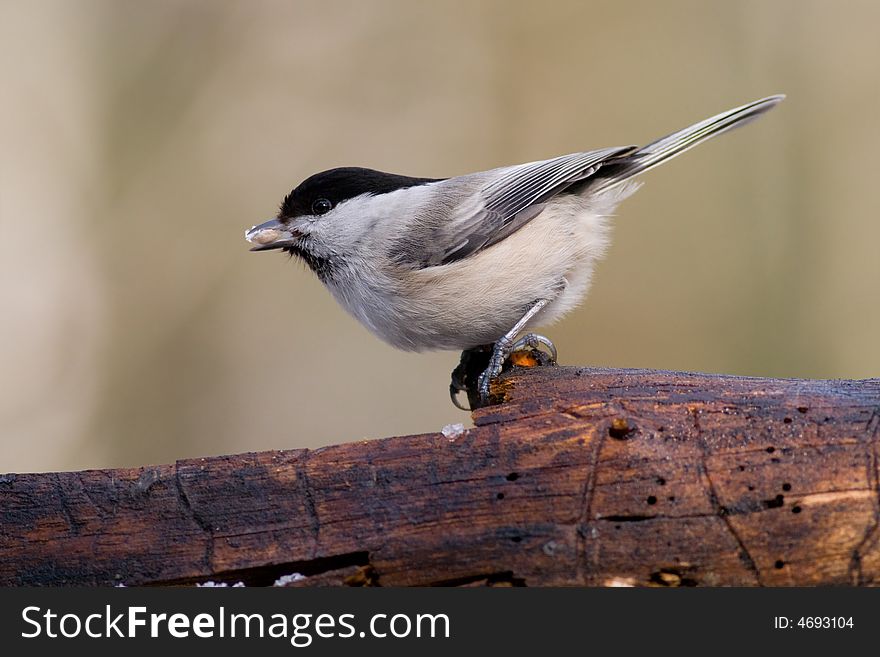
{"points": [[579, 477]]}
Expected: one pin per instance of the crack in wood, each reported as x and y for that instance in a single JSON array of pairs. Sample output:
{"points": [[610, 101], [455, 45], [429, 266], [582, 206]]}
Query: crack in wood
{"points": [[872, 427], [744, 554], [502, 578], [341, 568], [659, 517], [816, 447], [499, 420], [87, 493], [856, 575], [582, 563], [204, 525], [65, 507], [308, 495], [632, 518], [377, 515]]}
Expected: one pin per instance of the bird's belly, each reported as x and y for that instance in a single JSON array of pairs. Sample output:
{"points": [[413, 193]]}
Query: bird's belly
{"points": [[476, 300]]}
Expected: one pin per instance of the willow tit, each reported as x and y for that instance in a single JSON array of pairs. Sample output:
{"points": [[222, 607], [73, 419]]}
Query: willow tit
{"points": [[458, 263]]}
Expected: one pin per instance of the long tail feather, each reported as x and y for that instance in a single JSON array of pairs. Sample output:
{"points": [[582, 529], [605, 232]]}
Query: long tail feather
{"points": [[619, 170]]}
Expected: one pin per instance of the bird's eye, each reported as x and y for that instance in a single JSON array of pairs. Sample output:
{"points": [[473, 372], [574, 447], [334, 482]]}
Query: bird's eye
{"points": [[321, 206]]}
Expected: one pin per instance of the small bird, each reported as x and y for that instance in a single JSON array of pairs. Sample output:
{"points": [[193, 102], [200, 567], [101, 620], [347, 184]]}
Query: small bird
{"points": [[460, 263]]}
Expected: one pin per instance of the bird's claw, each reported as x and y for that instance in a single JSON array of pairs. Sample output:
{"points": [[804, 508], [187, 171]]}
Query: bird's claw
{"points": [[456, 386], [534, 341], [500, 353]]}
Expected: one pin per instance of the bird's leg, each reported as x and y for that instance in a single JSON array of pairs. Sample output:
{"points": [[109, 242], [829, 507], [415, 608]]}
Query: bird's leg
{"points": [[504, 347]]}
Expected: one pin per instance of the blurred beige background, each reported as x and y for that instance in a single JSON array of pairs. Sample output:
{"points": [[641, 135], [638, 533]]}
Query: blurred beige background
{"points": [[140, 139]]}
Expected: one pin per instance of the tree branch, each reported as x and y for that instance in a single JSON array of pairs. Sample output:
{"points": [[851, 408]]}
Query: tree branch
{"points": [[578, 477]]}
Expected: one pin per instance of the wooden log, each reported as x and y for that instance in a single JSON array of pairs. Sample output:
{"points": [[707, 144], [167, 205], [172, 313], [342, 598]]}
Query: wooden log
{"points": [[579, 477]]}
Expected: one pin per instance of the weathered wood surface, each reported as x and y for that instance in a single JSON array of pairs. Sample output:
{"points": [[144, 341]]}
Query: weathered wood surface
{"points": [[581, 477]]}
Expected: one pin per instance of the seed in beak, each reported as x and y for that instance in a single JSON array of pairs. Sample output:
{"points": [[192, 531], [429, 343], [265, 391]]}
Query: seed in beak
{"points": [[264, 236]]}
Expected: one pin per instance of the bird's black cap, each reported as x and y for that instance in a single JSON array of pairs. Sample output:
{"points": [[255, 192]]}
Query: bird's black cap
{"points": [[337, 185]]}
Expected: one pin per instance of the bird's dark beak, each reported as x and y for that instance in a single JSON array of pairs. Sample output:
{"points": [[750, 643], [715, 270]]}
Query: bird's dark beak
{"points": [[270, 235]]}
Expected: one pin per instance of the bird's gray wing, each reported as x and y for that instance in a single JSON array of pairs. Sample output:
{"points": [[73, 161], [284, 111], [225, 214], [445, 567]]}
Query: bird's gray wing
{"points": [[510, 200]]}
